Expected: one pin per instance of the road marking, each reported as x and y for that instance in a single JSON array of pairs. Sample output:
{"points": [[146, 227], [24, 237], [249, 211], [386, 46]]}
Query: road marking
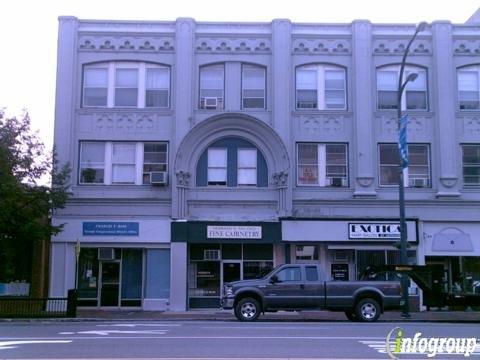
{"points": [[309, 328], [109, 332], [135, 325], [12, 344]]}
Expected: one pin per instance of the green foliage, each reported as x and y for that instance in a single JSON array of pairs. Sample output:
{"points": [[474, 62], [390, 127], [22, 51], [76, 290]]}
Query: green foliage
{"points": [[25, 202]]}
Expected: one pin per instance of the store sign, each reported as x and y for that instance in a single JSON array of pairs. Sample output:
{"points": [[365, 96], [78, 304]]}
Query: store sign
{"points": [[339, 272], [374, 231], [95, 228], [234, 232]]}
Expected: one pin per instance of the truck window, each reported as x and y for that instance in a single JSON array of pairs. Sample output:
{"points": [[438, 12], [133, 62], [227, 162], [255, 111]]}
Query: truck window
{"points": [[311, 273], [289, 274]]}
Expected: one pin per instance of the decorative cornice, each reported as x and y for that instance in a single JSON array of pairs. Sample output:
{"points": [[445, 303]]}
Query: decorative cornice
{"points": [[126, 43]]}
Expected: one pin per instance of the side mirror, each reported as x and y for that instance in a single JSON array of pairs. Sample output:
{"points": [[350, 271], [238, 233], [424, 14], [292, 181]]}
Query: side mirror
{"points": [[273, 279]]}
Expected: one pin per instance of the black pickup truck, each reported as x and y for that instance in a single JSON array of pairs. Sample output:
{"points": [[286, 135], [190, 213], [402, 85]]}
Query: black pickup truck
{"points": [[304, 286]]}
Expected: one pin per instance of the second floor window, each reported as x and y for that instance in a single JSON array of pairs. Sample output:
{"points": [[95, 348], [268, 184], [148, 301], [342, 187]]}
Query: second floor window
{"points": [[253, 87], [471, 165], [212, 86], [418, 167], [126, 84], [321, 87], [469, 88], [414, 96], [322, 164], [107, 163]]}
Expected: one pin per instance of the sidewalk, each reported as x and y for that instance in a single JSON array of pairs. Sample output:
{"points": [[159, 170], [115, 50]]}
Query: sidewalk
{"points": [[227, 315]]}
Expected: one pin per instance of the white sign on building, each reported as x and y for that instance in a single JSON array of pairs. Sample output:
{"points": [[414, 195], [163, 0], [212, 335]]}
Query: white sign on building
{"points": [[374, 231], [234, 232]]}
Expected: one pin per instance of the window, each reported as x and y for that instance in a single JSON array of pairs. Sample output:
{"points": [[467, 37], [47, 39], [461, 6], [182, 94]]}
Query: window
{"points": [[469, 88], [211, 86], [92, 163], [95, 87], [217, 166], [253, 87], [321, 87], [247, 166], [154, 159], [126, 84], [289, 274], [232, 162], [306, 252], [126, 87], [366, 258], [415, 93], [471, 165], [322, 164], [418, 167], [106, 163], [311, 273]]}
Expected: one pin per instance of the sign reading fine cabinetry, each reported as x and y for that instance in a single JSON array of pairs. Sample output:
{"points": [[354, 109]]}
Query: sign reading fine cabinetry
{"points": [[234, 232], [373, 231], [95, 228]]}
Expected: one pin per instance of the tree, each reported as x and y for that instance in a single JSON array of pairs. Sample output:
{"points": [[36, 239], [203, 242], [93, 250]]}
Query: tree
{"points": [[26, 203]]}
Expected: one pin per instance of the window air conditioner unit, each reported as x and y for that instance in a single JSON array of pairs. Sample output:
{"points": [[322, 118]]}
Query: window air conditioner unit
{"points": [[106, 254], [210, 102], [158, 178], [418, 182], [211, 254], [335, 181]]}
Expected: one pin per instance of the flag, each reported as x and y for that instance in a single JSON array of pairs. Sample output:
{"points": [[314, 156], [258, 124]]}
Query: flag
{"points": [[402, 141]]}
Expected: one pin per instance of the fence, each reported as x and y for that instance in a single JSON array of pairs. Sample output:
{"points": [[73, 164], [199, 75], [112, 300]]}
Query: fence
{"points": [[23, 307]]}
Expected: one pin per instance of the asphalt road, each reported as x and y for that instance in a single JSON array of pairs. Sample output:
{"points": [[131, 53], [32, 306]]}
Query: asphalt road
{"points": [[214, 339]]}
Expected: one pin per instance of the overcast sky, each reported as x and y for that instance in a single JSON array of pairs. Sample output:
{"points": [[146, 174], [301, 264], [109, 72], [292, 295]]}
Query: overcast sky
{"points": [[28, 32]]}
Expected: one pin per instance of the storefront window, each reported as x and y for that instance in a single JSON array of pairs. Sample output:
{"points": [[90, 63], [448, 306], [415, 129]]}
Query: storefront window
{"points": [[471, 278], [306, 252], [256, 269], [88, 277], [381, 257]]}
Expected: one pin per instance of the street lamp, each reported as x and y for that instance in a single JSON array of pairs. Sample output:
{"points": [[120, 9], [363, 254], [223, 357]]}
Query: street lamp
{"points": [[401, 188]]}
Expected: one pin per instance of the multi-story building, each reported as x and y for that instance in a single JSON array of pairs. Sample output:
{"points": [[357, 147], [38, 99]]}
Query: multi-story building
{"points": [[209, 152]]}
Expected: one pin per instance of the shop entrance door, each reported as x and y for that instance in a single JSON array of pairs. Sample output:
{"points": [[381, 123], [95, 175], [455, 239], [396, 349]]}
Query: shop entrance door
{"points": [[109, 283], [231, 271]]}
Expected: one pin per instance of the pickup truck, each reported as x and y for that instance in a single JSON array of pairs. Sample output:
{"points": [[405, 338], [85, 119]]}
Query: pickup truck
{"points": [[303, 286]]}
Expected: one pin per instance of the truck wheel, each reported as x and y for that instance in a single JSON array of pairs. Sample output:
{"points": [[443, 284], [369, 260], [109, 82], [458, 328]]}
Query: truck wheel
{"points": [[350, 314], [247, 309], [367, 310]]}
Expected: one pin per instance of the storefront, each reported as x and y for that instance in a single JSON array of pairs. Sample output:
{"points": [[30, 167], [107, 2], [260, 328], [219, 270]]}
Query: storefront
{"points": [[113, 263], [454, 248], [220, 252], [345, 247]]}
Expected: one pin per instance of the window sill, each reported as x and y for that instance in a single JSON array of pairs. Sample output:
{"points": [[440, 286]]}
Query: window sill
{"points": [[96, 110], [321, 112]]}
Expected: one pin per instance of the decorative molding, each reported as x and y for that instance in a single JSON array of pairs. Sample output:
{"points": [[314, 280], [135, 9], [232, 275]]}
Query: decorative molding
{"points": [[124, 43], [329, 124], [471, 125], [183, 178], [365, 181], [118, 122], [419, 126], [397, 47], [280, 178], [322, 46], [448, 181], [233, 45], [466, 47]]}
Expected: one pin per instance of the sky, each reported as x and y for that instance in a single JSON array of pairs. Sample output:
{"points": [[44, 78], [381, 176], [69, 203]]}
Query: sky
{"points": [[28, 33]]}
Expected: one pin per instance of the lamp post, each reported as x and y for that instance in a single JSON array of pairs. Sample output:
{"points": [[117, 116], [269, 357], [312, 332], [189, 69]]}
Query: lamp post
{"points": [[401, 188]]}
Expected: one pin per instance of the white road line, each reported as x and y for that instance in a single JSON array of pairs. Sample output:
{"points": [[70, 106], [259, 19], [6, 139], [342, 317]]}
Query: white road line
{"points": [[13, 344], [135, 325]]}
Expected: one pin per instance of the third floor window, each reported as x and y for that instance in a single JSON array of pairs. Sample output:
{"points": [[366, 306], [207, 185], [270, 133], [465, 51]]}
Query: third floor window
{"points": [[126, 84], [469, 88], [415, 95], [321, 87], [212, 84]]}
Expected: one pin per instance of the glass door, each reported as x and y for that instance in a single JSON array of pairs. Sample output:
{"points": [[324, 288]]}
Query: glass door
{"points": [[109, 283], [231, 271]]}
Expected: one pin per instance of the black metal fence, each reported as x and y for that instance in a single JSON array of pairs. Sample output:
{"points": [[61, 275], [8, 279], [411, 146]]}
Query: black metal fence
{"points": [[24, 307]]}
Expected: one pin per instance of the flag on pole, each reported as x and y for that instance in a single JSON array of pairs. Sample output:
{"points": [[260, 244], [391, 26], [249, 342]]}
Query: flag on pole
{"points": [[402, 141]]}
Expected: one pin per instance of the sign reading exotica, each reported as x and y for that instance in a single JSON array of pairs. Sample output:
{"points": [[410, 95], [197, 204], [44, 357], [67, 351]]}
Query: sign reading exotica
{"points": [[234, 232], [373, 231]]}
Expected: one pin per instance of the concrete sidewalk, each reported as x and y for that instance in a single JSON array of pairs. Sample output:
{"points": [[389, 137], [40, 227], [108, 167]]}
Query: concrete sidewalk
{"points": [[227, 315]]}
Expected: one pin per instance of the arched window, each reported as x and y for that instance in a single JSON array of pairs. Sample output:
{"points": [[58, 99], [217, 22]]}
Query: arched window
{"points": [[126, 84], [232, 162], [321, 86], [469, 88], [415, 95]]}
